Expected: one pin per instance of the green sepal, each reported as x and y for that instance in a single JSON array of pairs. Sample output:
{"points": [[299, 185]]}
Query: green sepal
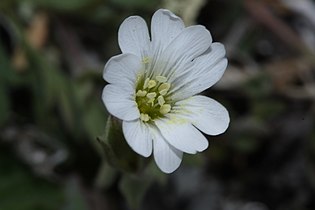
{"points": [[116, 150]]}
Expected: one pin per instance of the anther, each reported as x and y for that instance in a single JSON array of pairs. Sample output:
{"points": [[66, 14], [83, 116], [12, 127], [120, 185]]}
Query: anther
{"points": [[141, 93], [151, 84], [166, 108], [161, 100], [164, 88], [144, 117], [151, 95], [161, 79]]}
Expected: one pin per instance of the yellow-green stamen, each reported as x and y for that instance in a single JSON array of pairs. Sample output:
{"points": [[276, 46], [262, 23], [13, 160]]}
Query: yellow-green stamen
{"points": [[152, 99]]}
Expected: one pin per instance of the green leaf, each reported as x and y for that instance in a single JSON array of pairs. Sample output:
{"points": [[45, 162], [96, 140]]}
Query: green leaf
{"points": [[94, 115], [74, 198], [19, 189], [53, 89], [105, 176], [5, 76], [135, 3], [94, 118], [134, 188], [63, 5], [4, 105], [6, 72], [66, 108]]}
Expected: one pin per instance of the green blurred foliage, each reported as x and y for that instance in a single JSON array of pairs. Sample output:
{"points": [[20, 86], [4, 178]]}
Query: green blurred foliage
{"points": [[66, 6], [74, 198], [20, 189], [134, 188], [4, 80], [45, 94]]}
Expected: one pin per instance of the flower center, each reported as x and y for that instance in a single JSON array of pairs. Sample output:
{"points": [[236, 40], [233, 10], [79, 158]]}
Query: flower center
{"points": [[151, 97]]}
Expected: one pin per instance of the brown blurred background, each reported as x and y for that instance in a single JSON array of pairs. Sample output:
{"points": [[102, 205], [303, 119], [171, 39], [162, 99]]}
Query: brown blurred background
{"points": [[52, 54]]}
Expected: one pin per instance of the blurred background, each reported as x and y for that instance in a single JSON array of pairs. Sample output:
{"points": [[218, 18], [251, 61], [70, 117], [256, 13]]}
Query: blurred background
{"points": [[53, 152]]}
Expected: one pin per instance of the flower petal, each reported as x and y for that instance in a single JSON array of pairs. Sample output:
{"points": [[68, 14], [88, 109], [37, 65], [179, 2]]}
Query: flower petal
{"points": [[166, 156], [205, 72], [213, 55], [182, 135], [203, 63], [165, 26], [122, 69], [120, 102], [138, 137], [205, 113], [189, 44], [133, 36]]}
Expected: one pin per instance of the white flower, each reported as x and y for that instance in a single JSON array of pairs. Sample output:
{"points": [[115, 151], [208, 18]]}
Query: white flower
{"points": [[153, 87]]}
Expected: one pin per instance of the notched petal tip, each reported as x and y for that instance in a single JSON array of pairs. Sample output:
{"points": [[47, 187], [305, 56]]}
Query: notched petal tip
{"points": [[168, 13], [134, 19], [133, 36], [165, 26]]}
